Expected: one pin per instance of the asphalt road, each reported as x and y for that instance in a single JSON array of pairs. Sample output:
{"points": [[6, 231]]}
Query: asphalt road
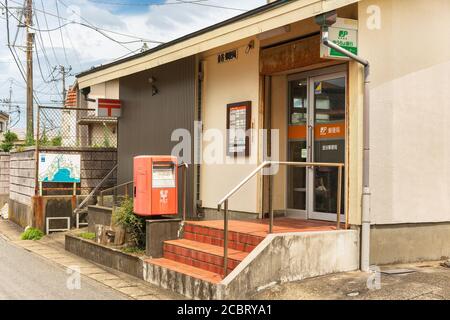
{"points": [[24, 275]]}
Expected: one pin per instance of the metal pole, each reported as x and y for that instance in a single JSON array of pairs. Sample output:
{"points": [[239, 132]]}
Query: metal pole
{"points": [[365, 228], [184, 191], [225, 239], [270, 202], [63, 74], [36, 155], [339, 195], [366, 194], [30, 40]]}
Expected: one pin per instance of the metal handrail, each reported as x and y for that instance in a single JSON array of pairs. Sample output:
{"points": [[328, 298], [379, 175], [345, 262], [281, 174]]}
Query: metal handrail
{"points": [[91, 194], [224, 200], [124, 185]]}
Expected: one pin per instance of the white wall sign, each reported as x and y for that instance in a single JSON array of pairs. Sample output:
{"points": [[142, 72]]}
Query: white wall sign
{"points": [[59, 167], [344, 33]]}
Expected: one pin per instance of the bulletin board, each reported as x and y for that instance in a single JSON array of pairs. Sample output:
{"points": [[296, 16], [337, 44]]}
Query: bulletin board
{"points": [[239, 117]]}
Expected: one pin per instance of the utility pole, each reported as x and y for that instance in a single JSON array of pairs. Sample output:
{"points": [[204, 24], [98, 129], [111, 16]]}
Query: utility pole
{"points": [[30, 40], [64, 73], [8, 123]]}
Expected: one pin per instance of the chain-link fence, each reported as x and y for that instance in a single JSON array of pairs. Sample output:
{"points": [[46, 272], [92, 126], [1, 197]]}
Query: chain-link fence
{"points": [[75, 128]]}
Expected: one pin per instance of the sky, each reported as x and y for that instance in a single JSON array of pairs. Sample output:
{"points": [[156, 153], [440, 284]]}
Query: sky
{"points": [[64, 41]]}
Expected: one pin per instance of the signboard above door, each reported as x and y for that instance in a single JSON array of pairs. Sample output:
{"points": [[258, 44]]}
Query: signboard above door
{"points": [[344, 33]]}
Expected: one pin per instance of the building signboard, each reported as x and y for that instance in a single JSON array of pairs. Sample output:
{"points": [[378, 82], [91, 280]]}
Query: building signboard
{"points": [[344, 33]]}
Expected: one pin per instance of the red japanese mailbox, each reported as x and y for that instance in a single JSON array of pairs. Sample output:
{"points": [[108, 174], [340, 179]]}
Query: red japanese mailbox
{"points": [[108, 108], [155, 185]]}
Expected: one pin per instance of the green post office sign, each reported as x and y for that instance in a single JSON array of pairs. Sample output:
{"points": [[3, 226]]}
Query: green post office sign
{"points": [[344, 33]]}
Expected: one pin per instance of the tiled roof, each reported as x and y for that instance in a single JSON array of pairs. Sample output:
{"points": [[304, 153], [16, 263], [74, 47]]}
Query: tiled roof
{"points": [[71, 98]]}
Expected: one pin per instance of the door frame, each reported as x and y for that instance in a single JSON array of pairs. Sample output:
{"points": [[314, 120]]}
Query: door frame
{"points": [[312, 76]]}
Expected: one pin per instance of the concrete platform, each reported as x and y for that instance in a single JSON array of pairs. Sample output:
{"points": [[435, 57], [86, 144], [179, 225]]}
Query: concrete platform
{"points": [[297, 249]]}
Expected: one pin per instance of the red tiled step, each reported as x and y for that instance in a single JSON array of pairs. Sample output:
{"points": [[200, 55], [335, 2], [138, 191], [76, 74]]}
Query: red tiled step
{"points": [[236, 240], [186, 269], [202, 255]]}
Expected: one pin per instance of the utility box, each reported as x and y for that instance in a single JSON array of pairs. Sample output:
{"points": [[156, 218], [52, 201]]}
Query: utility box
{"points": [[155, 185]]}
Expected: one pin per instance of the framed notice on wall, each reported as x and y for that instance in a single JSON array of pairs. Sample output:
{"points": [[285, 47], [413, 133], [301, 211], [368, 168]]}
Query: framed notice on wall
{"points": [[239, 117]]}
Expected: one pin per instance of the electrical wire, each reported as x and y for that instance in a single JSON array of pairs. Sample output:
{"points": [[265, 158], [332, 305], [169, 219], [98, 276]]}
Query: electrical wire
{"points": [[95, 28], [60, 32], [49, 36], [198, 2]]}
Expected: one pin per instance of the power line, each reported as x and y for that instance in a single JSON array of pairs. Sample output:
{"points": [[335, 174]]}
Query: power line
{"points": [[198, 2], [90, 26], [60, 32], [49, 36]]}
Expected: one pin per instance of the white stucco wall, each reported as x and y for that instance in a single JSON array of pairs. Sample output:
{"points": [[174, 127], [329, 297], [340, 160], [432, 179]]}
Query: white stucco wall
{"points": [[410, 109], [226, 83], [108, 90]]}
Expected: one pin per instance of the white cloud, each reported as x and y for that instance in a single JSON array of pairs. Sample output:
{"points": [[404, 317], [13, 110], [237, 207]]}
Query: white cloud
{"points": [[87, 48]]}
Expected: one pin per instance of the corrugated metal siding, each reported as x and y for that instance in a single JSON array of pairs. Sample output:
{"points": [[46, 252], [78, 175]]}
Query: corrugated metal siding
{"points": [[147, 121]]}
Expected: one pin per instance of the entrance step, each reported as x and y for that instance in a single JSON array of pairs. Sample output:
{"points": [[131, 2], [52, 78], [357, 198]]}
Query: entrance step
{"points": [[237, 240], [202, 255], [188, 270], [199, 256], [193, 265]]}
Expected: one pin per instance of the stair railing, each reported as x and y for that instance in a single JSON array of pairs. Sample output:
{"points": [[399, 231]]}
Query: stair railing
{"points": [[91, 194], [115, 188], [266, 164]]}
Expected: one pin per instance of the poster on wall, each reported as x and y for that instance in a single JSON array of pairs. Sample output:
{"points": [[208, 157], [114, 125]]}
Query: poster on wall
{"points": [[59, 167], [238, 122]]}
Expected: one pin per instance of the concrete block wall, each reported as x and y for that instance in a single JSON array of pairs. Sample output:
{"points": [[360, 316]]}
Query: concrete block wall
{"points": [[95, 164], [21, 179], [4, 178]]}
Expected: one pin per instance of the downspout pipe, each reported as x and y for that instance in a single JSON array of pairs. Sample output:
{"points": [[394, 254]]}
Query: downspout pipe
{"points": [[366, 194]]}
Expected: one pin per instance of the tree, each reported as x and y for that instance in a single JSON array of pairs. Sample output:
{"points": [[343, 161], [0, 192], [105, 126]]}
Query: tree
{"points": [[8, 141]]}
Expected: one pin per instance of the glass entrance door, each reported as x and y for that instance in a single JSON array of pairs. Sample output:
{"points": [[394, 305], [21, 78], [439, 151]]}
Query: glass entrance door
{"points": [[317, 109], [298, 146]]}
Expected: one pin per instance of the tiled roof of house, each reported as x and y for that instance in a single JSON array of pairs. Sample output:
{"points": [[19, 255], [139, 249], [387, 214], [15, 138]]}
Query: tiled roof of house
{"points": [[71, 98]]}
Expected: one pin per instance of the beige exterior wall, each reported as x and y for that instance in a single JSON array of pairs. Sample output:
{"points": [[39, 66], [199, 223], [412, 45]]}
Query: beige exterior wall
{"points": [[289, 13], [3, 125], [109, 90], [226, 83], [410, 109]]}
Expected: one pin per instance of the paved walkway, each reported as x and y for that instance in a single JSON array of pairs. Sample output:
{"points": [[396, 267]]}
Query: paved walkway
{"points": [[429, 281], [51, 248]]}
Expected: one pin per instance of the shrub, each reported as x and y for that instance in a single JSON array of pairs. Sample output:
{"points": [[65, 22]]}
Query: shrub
{"points": [[8, 141], [29, 140], [56, 141], [87, 235], [134, 225], [32, 234]]}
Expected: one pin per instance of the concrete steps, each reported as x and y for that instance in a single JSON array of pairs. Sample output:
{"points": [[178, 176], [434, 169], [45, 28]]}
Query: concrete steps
{"points": [[202, 255], [238, 240], [194, 264]]}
